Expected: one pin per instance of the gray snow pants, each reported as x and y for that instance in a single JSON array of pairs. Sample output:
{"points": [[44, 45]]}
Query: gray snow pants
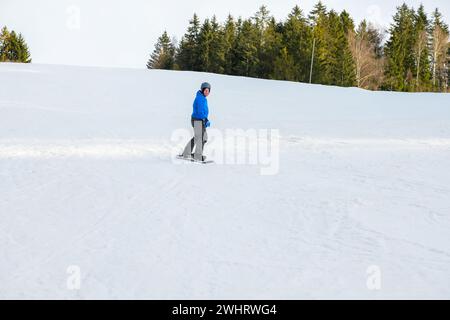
{"points": [[198, 141]]}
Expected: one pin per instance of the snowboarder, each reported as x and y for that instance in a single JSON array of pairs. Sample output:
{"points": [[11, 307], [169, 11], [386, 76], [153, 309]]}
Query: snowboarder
{"points": [[200, 122]]}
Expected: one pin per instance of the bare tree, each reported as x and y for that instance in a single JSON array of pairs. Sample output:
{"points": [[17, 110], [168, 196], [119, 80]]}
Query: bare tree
{"points": [[439, 53], [421, 44], [369, 68], [447, 68]]}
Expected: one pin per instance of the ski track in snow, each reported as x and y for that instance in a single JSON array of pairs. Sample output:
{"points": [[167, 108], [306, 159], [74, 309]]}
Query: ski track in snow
{"points": [[141, 225], [319, 230], [123, 148]]}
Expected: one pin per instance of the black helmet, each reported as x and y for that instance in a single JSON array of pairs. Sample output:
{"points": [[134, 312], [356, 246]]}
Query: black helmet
{"points": [[205, 85]]}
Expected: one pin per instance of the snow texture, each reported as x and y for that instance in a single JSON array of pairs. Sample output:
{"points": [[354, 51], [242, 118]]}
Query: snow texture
{"points": [[359, 208]]}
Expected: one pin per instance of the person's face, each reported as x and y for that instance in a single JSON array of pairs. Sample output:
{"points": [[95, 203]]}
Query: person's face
{"points": [[206, 92]]}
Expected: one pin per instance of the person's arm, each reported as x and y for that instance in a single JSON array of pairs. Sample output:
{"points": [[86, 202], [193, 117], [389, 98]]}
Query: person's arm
{"points": [[203, 111], [206, 109]]}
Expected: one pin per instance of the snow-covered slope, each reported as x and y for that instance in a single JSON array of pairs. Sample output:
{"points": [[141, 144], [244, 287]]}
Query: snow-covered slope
{"points": [[358, 208]]}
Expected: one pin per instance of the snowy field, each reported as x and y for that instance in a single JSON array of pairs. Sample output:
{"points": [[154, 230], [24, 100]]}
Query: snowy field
{"points": [[359, 206]]}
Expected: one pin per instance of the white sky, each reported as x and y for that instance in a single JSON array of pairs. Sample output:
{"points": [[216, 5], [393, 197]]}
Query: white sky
{"points": [[123, 33]]}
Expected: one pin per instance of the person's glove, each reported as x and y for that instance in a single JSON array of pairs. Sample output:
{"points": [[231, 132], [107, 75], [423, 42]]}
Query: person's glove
{"points": [[207, 123]]}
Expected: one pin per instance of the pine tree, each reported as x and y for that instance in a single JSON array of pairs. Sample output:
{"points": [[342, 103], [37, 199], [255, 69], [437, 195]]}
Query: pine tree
{"points": [[347, 22], [211, 47], [399, 51], [204, 43], [187, 57], [284, 67], [272, 46], [318, 22], [229, 39], [24, 55], [246, 50], [261, 21], [13, 48], [298, 38], [164, 54], [337, 60], [346, 76], [318, 12], [217, 47], [4, 44]]}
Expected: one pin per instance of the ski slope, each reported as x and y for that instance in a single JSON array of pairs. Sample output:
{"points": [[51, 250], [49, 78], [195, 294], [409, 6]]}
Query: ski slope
{"points": [[88, 183]]}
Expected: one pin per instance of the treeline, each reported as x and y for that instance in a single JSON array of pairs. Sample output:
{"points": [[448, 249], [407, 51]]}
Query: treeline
{"points": [[324, 47], [13, 47]]}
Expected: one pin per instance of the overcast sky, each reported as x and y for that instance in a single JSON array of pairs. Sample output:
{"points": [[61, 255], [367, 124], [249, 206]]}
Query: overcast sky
{"points": [[122, 33]]}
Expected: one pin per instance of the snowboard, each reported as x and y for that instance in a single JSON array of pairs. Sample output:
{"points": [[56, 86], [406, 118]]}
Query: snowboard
{"points": [[194, 160]]}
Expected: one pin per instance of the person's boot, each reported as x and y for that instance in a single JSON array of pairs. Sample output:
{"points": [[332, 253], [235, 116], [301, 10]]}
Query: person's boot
{"points": [[187, 153], [186, 156]]}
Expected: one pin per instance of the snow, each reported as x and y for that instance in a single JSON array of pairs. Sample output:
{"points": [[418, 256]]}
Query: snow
{"points": [[89, 183]]}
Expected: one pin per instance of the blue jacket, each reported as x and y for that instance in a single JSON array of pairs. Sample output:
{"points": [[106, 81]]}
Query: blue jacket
{"points": [[200, 107]]}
